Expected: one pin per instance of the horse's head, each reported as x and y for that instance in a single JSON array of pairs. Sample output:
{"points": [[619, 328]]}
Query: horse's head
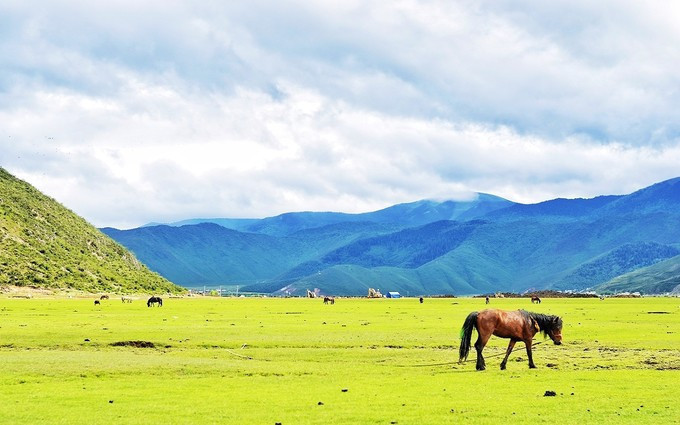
{"points": [[554, 331]]}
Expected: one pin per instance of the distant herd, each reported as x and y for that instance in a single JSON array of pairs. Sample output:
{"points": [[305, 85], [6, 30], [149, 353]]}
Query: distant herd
{"points": [[517, 325], [153, 301], [158, 301]]}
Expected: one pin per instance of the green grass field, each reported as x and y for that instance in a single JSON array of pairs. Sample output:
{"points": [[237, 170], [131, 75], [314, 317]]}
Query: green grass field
{"points": [[263, 361]]}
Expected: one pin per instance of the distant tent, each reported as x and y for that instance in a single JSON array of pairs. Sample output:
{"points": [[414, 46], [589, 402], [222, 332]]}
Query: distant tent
{"points": [[393, 295]]}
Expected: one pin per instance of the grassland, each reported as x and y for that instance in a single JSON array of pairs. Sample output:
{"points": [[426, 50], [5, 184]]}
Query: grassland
{"points": [[263, 361]]}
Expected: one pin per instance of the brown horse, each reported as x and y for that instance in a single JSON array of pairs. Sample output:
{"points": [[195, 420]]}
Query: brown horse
{"points": [[535, 299], [517, 325]]}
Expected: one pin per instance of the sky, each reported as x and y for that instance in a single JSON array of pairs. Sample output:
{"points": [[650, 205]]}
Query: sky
{"points": [[131, 112]]}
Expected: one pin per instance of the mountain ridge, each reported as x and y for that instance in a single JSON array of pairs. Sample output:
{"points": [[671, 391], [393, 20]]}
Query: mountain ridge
{"points": [[489, 244], [291, 222]]}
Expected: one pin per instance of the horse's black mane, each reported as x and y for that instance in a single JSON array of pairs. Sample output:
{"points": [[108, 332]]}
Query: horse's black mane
{"points": [[546, 322]]}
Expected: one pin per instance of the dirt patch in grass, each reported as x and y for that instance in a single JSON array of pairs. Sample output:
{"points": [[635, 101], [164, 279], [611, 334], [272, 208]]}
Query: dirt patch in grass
{"points": [[136, 344], [668, 367]]}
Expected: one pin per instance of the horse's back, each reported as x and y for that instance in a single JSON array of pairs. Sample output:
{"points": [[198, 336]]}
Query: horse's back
{"points": [[504, 324]]}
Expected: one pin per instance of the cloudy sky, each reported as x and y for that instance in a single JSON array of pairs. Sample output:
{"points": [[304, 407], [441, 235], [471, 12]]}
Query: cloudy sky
{"points": [[135, 111]]}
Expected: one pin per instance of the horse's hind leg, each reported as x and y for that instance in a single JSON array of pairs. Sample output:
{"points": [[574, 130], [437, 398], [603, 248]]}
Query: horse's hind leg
{"points": [[511, 345], [479, 346]]}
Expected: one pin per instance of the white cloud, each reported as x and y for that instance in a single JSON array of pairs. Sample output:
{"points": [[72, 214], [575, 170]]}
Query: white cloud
{"points": [[139, 111]]}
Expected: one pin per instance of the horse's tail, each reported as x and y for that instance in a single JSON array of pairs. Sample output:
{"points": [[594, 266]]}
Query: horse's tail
{"points": [[466, 335]]}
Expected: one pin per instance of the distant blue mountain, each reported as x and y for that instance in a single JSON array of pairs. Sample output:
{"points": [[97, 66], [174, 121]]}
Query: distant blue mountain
{"points": [[207, 253], [661, 197], [425, 247], [229, 223], [572, 209], [404, 215]]}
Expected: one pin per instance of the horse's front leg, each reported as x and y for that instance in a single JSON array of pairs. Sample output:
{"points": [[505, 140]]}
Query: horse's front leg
{"points": [[531, 358], [511, 345]]}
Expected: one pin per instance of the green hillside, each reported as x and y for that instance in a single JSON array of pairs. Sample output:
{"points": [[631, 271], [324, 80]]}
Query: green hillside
{"points": [[619, 261], [43, 244], [657, 279]]}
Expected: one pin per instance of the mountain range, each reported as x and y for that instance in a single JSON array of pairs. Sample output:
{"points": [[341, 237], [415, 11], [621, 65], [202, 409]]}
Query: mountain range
{"points": [[486, 244]]}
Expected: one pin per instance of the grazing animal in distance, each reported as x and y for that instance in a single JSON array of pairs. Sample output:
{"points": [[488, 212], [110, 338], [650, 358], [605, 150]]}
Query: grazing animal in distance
{"points": [[125, 299], [328, 300], [487, 299], [519, 325], [421, 300], [535, 299], [104, 297], [155, 300], [96, 302]]}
